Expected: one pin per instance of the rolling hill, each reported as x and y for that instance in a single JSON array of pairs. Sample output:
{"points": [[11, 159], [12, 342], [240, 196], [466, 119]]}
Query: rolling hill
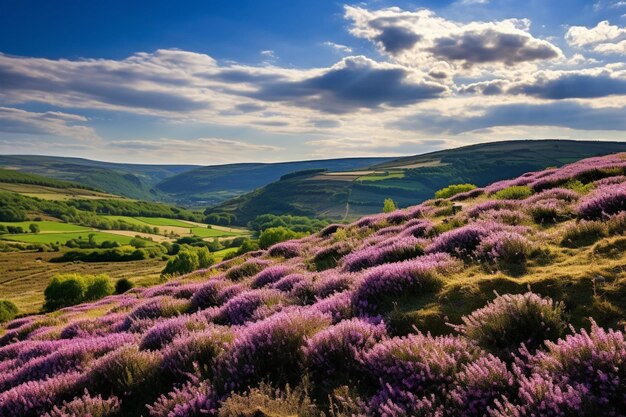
{"points": [[128, 180], [217, 183], [409, 180], [504, 301]]}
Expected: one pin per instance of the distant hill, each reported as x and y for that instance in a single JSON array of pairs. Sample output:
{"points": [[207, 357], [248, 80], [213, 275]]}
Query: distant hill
{"points": [[409, 180], [129, 180], [217, 183]]}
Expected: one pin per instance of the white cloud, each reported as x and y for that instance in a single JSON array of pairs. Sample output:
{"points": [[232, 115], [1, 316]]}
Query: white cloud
{"points": [[337, 47], [64, 125], [603, 38]]}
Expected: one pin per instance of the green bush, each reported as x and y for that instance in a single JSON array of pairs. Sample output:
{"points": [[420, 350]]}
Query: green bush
{"points": [[517, 192], [64, 290], [122, 285], [188, 259], [454, 189], [389, 205], [70, 289], [8, 311], [34, 228], [275, 235], [98, 287]]}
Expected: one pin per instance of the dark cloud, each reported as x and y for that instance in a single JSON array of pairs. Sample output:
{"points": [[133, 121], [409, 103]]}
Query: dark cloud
{"points": [[241, 76], [480, 47], [394, 39], [357, 83], [573, 86], [325, 123], [488, 88], [559, 114], [249, 107]]}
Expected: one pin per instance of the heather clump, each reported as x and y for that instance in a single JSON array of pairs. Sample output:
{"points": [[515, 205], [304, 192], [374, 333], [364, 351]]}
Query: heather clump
{"points": [[190, 400], [416, 276], [412, 375], [505, 248], [87, 405], [604, 201], [510, 320], [391, 250], [332, 354], [328, 257], [269, 276], [242, 308], [271, 348], [246, 269], [583, 233]]}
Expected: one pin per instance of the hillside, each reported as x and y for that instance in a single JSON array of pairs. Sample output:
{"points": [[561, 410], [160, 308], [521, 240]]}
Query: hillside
{"points": [[501, 301], [410, 180], [216, 183], [128, 180]]}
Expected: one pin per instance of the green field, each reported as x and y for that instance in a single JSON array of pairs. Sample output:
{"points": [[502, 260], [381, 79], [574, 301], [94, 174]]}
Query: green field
{"points": [[206, 232], [64, 237], [162, 221], [381, 176], [49, 226]]}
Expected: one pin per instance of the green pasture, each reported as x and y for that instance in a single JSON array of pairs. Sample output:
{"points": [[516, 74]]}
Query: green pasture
{"points": [[48, 226], [48, 238]]}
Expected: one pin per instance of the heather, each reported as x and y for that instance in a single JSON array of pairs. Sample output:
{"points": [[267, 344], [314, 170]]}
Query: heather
{"points": [[502, 301]]}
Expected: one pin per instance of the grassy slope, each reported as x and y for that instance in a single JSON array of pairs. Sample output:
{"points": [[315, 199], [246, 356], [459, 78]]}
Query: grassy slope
{"points": [[47, 226], [129, 180], [479, 164], [64, 237], [213, 184]]}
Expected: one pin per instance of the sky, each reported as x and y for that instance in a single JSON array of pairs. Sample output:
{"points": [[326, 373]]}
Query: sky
{"points": [[219, 81]]}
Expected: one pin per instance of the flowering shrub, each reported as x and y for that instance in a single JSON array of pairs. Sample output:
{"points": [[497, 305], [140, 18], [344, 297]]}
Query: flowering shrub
{"points": [[479, 384], [287, 282], [509, 320], [327, 258], [332, 354], [124, 370], [269, 276], [415, 373], [392, 250], [288, 249], [195, 353], [270, 348], [208, 295], [241, 308], [87, 406], [191, 400], [505, 248], [515, 192], [603, 202], [390, 280], [165, 331], [246, 269]]}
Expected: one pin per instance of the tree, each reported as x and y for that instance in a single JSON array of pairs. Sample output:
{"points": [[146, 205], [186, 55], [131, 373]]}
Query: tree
{"points": [[8, 311], [98, 287], [34, 228], [205, 258], [275, 235], [184, 262], [12, 214], [389, 205], [122, 285], [64, 290]]}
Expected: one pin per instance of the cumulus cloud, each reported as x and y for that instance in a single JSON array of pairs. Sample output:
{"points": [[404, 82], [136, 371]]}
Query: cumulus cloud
{"points": [[352, 84], [17, 121], [603, 38], [423, 38], [558, 114]]}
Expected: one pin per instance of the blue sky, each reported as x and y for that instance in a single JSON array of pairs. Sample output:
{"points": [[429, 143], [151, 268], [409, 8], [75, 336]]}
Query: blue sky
{"points": [[228, 81]]}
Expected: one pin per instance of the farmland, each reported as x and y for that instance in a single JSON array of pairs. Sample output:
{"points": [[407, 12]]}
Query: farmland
{"points": [[48, 238]]}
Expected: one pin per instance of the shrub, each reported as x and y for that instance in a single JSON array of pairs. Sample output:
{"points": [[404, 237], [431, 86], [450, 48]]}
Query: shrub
{"points": [[412, 369], [394, 249], [389, 205], [287, 402], [64, 290], [516, 192], [583, 233], [617, 224], [188, 260], [332, 354], [275, 235], [242, 308], [603, 202], [454, 189], [288, 249], [505, 248], [98, 287], [328, 257], [593, 361], [191, 400], [247, 269], [87, 406], [269, 349], [386, 282], [479, 384], [8, 311], [208, 295], [269, 276], [510, 320], [122, 285], [124, 371]]}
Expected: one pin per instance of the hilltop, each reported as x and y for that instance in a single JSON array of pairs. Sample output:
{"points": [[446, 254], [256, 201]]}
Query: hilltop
{"points": [[409, 180], [498, 301]]}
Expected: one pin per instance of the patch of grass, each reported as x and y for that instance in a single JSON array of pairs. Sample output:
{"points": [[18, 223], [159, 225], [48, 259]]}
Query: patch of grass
{"points": [[517, 192], [206, 232], [48, 238], [162, 221], [48, 226], [381, 176]]}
